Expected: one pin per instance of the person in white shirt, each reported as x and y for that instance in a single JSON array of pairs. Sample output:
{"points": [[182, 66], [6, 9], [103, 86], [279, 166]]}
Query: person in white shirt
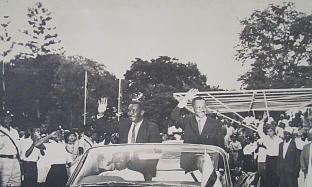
{"points": [[197, 175], [300, 140], [30, 155], [86, 141], [120, 161], [261, 155], [59, 158], [271, 142], [10, 171]]}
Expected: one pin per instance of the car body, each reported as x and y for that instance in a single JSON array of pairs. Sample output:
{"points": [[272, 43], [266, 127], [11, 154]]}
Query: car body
{"points": [[166, 164]]}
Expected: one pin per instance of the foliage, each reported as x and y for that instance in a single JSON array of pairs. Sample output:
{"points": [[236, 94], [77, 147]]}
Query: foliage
{"points": [[9, 44], [28, 86], [68, 91], [50, 89], [278, 43], [154, 82], [6, 38], [41, 36]]}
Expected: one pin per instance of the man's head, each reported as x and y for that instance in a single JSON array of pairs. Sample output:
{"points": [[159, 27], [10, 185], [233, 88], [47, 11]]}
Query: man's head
{"points": [[88, 130], [94, 136], [35, 133], [200, 159], [199, 106], [72, 137], [136, 112], [6, 119], [288, 133], [234, 137], [121, 160], [270, 129]]}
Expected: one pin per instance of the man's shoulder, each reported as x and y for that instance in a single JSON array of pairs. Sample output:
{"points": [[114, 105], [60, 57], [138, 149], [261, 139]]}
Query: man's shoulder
{"points": [[149, 123], [214, 122], [306, 146]]}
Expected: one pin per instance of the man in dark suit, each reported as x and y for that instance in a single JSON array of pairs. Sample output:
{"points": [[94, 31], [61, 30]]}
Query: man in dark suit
{"points": [[288, 164], [134, 129], [198, 128]]}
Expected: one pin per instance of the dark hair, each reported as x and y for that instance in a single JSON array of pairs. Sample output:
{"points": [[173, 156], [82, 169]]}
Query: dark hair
{"points": [[140, 104], [197, 99]]}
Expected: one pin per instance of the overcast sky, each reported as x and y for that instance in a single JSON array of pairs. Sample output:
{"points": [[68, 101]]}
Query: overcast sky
{"points": [[115, 32]]}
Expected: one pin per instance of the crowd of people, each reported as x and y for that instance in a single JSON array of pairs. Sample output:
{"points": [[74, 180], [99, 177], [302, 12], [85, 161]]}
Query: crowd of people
{"points": [[279, 150], [273, 149]]}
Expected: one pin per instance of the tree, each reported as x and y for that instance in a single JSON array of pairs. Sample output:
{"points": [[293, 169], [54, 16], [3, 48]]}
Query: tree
{"points": [[6, 38], [7, 42], [42, 37], [68, 91], [29, 82], [50, 89], [154, 82], [277, 42]]}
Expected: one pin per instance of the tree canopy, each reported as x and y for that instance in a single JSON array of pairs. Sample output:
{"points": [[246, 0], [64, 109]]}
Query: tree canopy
{"points": [[50, 89], [42, 38], [278, 43]]}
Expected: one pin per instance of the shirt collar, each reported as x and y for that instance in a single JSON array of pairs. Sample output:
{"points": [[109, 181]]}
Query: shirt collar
{"points": [[201, 119], [138, 124]]}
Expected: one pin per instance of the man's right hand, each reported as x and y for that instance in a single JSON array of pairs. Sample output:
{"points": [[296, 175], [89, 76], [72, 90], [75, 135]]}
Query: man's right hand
{"points": [[102, 105], [191, 94]]}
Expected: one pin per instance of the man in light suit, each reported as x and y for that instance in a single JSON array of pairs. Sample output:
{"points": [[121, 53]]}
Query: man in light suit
{"points": [[305, 161], [134, 129], [198, 128], [288, 164]]}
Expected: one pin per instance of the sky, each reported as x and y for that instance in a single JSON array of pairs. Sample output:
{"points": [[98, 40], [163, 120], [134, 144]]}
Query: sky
{"points": [[115, 32]]}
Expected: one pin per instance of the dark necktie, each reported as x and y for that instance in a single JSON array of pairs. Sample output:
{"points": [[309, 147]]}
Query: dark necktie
{"points": [[133, 134]]}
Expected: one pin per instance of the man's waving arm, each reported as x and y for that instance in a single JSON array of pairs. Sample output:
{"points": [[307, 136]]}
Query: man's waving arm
{"points": [[176, 113]]}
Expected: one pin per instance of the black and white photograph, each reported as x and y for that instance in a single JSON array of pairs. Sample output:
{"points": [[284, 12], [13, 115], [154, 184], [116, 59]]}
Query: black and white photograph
{"points": [[207, 93]]}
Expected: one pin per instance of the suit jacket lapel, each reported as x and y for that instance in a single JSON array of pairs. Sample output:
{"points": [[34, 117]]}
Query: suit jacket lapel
{"points": [[288, 149], [290, 146], [124, 130], [194, 126], [206, 128], [142, 132]]}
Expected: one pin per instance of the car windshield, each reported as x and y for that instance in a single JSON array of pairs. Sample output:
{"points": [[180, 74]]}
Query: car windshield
{"points": [[152, 165]]}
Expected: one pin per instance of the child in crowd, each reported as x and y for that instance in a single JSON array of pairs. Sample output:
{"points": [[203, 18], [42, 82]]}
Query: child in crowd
{"points": [[235, 152]]}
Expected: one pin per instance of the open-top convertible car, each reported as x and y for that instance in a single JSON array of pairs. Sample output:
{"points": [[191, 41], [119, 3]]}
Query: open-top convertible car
{"points": [[154, 165]]}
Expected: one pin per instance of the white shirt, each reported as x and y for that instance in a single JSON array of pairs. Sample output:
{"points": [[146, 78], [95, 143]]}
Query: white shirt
{"points": [[249, 149], [230, 130], [201, 123], [249, 120], [86, 143], [261, 152], [285, 147], [272, 145], [126, 174], [9, 148], [300, 143], [197, 174], [136, 130], [56, 153], [25, 145]]}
